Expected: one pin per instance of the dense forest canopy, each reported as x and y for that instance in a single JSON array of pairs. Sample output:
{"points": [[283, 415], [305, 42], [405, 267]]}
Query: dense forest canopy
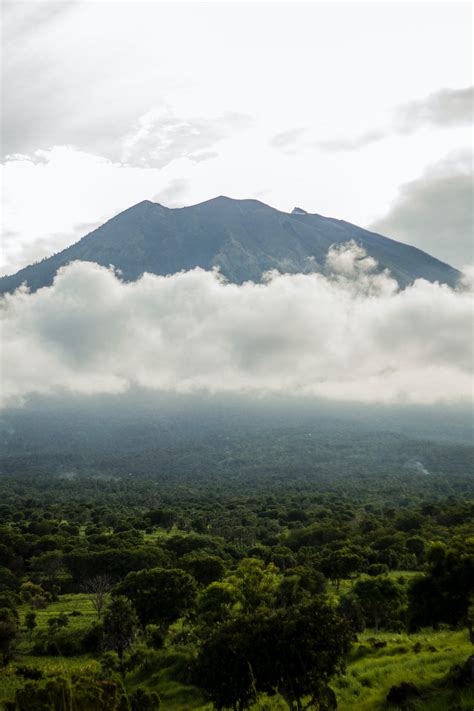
{"points": [[186, 593]]}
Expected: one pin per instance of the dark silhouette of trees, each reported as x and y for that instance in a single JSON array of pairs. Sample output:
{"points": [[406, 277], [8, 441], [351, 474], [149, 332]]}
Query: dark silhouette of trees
{"points": [[8, 634], [120, 627], [381, 600], [159, 595], [293, 652], [444, 593], [30, 622]]}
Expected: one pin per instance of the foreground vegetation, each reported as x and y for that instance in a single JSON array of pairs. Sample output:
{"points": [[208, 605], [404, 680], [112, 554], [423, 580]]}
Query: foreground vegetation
{"points": [[138, 596]]}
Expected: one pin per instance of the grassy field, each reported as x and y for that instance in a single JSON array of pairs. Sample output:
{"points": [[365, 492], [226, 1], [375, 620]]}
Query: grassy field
{"points": [[78, 609], [423, 659], [376, 663]]}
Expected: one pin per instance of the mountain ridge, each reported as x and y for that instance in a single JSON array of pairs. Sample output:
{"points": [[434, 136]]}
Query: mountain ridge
{"points": [[244, 238]]}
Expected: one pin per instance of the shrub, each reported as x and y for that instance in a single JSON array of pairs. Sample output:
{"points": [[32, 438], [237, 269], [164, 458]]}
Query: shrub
{"points": [[402, 693], [30, 673], [140, 700], [61, 643], [155, 637], [93, 638]]}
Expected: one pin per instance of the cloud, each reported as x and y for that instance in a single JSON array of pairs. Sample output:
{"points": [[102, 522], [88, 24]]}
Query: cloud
{"points": [[288, 140], [159, 137], [447, 107], [352, 144], [301, 139], [172, 194], [347, 335], [435, 211]]}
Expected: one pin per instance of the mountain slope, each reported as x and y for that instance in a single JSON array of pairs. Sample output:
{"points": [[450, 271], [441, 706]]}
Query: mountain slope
{"points": [[243, 237]]}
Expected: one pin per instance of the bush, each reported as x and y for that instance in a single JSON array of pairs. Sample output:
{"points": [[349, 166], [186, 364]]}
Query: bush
{"points": [[180, 665], [140, 700], [377, 569], [62, 695], [400, 695], [155, 637], [62, 643], [150, 662], [30, 673], [92, 639]]}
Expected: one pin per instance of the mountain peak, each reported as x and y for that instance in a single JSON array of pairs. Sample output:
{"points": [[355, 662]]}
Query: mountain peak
{"points": [[299, 211]]}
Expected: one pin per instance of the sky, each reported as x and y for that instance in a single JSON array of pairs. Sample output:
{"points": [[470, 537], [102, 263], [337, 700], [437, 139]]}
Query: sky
{"points": [[360, 111]]}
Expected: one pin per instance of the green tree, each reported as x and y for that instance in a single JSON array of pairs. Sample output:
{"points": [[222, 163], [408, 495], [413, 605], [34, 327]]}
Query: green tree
{"points": [[34, 595], [160, 595], [205, 568], [30, 622], [120, 627], [381, 600], [470, 619], [49, 564], [256, 582], [8, 633], [444, 593], [217, 603], [294, 652], [341, 564]]}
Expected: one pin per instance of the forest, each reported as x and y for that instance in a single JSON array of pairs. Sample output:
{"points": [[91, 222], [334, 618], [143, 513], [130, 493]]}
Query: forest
{"points": [[129, 594]]}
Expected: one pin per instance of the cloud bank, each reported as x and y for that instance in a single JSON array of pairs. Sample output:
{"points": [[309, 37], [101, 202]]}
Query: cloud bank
{"points": [[434, 212], [349, 334]]}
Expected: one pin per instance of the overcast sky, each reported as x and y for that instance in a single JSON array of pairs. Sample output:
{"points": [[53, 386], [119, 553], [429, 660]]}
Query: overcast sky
{"points": [[357, 111]]}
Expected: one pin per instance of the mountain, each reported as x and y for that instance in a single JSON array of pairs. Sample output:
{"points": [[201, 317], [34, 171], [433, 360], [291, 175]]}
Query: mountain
{"points": [[243, 237]]}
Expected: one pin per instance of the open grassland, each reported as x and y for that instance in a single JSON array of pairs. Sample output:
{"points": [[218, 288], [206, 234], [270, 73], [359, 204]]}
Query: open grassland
{"points": [[423, 659], [78, 609]]}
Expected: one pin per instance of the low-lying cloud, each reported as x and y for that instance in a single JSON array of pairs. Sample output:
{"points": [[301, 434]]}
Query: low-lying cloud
{"points": [[348, 334]]}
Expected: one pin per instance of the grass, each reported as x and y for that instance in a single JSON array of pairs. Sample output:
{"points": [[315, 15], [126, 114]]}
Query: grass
{"points": [[50, 666], [371, 670], [77, 603]]}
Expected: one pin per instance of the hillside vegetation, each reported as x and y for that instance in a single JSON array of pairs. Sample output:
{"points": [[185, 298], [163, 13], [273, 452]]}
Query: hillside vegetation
{"points": [[127, 595]]}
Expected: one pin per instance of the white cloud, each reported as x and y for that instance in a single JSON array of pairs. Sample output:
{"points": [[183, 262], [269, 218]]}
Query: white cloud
{"points": [[348, 335], [447, 107], [159, 137]]}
